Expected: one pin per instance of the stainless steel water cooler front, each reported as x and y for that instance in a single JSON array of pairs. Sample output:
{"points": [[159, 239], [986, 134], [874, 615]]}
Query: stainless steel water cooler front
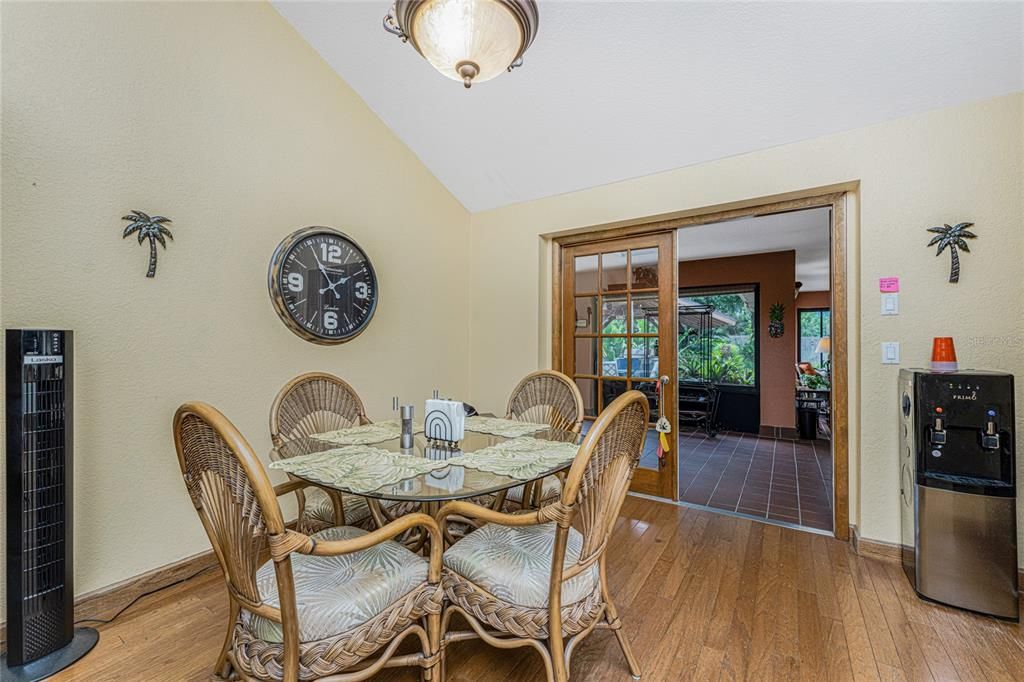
{"points": [[958, 489]]}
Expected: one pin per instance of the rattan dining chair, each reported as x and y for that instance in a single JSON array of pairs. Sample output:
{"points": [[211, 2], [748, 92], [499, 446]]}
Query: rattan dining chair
{"points": [[544, 397], [538, 578], [313, 403], [323, 604]]}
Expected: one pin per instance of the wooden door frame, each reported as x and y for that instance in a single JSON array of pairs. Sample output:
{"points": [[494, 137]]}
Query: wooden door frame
{"points": [[663, 481], [834, 198]]}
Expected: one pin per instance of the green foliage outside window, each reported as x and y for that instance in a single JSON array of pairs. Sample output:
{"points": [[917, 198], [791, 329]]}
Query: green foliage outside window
{"points": [[814, 324], [733, 347]]}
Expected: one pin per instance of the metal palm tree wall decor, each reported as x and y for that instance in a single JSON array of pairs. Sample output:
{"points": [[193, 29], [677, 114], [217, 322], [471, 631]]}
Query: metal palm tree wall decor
{"points": [[954, 238], [151, 228]]}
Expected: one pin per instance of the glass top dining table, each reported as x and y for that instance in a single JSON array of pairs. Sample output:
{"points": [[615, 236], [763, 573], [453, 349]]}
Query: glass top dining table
{"points": [[452, 482]]}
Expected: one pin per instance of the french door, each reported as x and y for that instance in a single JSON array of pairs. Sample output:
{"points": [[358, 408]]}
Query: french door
{"points": [[618, 332]]}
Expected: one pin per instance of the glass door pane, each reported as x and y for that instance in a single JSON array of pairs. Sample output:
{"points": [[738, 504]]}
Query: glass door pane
{"points": [[643, 264], [649, 458], [613, 271]]}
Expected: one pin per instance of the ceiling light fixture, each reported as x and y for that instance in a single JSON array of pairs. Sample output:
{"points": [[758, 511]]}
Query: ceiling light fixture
{"points": [[466, 40]]}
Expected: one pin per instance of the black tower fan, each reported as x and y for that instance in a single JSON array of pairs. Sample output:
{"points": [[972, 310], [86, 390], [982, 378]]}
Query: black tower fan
{"points": [[41, 636]]}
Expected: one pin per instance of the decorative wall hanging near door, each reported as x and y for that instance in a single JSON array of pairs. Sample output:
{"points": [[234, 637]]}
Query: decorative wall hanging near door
{"points": [[953, 238]]}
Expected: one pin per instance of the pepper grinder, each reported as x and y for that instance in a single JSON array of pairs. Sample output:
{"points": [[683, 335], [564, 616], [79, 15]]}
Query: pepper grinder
{"points": [[407, 412]]}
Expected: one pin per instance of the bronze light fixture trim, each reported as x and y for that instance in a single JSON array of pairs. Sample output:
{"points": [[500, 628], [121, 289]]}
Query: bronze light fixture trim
{"points": [[510, 27]]}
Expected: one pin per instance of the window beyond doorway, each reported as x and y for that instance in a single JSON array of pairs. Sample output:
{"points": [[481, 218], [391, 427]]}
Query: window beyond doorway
{"points": [[724, 352], [815, 325]]}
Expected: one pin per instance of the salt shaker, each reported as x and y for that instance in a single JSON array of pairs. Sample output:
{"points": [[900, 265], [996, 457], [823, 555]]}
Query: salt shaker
{"points": [[407, 411]]}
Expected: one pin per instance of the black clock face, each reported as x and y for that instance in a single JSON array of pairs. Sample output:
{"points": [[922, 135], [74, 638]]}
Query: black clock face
{"points": [[324, 285]]}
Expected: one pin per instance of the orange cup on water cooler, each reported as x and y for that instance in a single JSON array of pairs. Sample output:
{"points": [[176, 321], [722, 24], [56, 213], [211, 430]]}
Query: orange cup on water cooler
{"points": [[944, 354]]}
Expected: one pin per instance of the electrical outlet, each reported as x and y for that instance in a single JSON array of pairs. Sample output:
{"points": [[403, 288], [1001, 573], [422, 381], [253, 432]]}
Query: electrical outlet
{"points": [[890, 352]]}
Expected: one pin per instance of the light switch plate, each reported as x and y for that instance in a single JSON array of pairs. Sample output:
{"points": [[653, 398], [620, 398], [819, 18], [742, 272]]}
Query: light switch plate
{"points": [[890, 352], [890, 304]]}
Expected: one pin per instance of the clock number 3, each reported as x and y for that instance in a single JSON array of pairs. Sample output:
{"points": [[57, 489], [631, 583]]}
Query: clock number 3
{"points": [[362, 290], [331, 253]]}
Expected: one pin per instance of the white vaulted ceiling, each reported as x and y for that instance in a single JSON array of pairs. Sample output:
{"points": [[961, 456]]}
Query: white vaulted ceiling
{"points": [[614, 90]]}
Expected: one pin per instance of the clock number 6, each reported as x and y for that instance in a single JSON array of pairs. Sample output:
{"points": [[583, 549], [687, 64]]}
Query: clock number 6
{"points": [[330, 320]]}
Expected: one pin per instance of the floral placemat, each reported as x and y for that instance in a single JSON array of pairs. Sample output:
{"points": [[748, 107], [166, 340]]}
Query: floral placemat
{"points": [[521, 458], [378, 432], [509, 428], [359, 468]]}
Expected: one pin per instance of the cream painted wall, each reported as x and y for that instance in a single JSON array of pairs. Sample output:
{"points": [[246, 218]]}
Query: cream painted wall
{"points": [[170, 108], [222, 117], [962, 163]]}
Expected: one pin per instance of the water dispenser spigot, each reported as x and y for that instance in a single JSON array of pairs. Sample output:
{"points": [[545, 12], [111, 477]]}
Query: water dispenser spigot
{"points": [[990, 436], [939, 427]]}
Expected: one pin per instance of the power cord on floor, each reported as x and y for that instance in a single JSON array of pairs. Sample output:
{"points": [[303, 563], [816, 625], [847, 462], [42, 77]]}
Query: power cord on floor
{"points": [[127, 606]]}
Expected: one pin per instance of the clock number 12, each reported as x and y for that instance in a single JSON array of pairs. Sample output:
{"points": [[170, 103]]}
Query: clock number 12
{"points": [[331, 253]]}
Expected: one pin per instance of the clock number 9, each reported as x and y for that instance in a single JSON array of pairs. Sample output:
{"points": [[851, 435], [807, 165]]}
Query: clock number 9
{"points": [[362, 290], [330, 320], [295, 281]]}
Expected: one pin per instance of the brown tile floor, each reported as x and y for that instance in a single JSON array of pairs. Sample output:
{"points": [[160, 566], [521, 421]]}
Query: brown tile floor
{"points": [[768, 478]]}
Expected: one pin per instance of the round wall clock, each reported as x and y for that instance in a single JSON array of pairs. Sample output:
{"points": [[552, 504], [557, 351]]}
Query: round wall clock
{"points": [[322, 285]]}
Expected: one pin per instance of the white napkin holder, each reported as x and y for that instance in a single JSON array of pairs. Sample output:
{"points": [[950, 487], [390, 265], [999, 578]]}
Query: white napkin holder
{"points": [[444, 421]]}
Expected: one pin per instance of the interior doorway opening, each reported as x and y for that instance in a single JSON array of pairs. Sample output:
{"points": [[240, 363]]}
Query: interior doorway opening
{"points": [[752, 411], [754, 385]]}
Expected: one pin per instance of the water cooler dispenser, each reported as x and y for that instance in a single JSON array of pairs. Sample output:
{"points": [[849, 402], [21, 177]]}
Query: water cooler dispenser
{"points": [[958, 489]]}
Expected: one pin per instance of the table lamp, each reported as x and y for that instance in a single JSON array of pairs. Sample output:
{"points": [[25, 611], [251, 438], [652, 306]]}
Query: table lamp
{"points": [[824, 347]]}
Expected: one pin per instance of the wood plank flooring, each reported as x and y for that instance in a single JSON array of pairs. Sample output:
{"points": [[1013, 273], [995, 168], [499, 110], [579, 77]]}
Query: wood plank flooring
{"points": [[703, 597]]}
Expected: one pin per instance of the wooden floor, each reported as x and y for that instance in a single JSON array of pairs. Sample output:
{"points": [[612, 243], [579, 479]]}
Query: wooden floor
{"points": [[703, 596]]}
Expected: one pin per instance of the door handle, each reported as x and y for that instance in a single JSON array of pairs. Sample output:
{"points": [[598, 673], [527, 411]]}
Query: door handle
{"points": [[663, 426]]}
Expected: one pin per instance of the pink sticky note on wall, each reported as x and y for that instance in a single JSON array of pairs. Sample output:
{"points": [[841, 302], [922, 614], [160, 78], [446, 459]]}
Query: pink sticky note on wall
{"points": [[889, 285]]}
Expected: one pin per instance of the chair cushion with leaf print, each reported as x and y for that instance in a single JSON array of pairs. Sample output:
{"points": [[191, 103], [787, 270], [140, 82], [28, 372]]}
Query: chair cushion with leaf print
{"points": [[550, 488], [513, 563], [338, 593]]}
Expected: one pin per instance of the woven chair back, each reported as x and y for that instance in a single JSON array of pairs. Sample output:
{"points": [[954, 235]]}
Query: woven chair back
{"points": [[314, 403], [599, 478], [231, 493], [547, 397]]}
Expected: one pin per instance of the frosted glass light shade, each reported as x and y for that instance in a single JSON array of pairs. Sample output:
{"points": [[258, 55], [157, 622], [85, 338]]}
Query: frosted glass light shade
{"points": [[467, 40]]}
